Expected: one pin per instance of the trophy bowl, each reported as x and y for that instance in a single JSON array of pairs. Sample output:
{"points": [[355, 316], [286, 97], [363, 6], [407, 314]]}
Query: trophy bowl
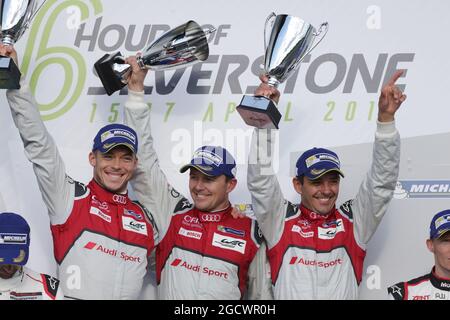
{"points": [[289, 41], [16, 16], [180, 47]]}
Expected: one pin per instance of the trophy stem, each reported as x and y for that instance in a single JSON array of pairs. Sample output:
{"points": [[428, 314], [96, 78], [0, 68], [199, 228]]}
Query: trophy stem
{"points": [[141, 63], [8, 40], [273, 82]]}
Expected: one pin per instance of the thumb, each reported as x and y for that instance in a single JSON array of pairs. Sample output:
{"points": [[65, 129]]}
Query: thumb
{"points": [[264, 78]]}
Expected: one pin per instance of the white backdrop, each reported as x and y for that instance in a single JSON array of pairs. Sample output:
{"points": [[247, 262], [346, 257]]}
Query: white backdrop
{"points": [[330, 102]]}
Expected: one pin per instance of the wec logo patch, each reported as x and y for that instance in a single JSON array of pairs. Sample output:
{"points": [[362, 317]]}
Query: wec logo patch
{"points": [[229, 243]]}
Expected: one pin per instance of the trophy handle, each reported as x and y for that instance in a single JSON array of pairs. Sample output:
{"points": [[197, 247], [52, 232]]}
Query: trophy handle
{"points": [[208, 31], [122, 69], [323, 29], [271, 16], [36, 11], [171, 44]]}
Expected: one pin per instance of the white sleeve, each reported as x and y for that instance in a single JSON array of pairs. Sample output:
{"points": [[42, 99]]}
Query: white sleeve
{"points": [[376, 190], [56, 187], [267, 198], [149, 182]]}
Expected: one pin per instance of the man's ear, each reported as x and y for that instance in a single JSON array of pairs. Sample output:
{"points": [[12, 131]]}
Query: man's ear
{"points": [[297, 185], [231, 184], [92, 159], [430, 245], [135, 162]]}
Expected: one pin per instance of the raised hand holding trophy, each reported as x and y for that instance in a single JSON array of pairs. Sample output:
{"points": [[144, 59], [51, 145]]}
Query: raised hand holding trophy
{"points": [[16, 16], [291, 39], [177, 48]]}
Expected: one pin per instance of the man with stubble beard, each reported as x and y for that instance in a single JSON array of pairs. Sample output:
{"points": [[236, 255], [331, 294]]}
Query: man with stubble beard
{"points": [[316, 250], [203, 251], [102, 239]]}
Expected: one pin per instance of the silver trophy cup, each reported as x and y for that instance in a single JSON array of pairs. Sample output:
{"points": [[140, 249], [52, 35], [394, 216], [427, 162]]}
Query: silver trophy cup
{"points": [[177, 48], [16, 16], [291, 39]]}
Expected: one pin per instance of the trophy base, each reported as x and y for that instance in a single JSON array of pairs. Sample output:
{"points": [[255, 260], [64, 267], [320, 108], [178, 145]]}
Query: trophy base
{"points": [[104, 68], [259, 112], [9, 74]]}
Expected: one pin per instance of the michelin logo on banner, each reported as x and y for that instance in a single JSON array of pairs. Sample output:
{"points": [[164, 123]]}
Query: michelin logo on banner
{"points": [[422, 189]]}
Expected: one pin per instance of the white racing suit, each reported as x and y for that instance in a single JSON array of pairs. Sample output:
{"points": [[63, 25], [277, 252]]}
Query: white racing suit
{"points": [[313, 256], [101, 240], [29, 285], [426, 287], [200, 255]]}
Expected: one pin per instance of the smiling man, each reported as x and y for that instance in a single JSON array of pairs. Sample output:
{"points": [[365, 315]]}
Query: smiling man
{"points": [[203, 252], [102, 239], [316, 250], [318, 179], [436, 284], [113, 157], [211, 177]]}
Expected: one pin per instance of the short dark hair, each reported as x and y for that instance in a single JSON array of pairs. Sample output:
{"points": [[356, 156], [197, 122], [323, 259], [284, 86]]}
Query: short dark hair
{"points": [[228, 178], [301, 179]]}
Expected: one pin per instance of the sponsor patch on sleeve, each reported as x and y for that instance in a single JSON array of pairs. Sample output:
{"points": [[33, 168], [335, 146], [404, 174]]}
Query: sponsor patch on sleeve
{"points": [[50, 285], [346, 208], [183, 204], [291, 209], [397, 291]]}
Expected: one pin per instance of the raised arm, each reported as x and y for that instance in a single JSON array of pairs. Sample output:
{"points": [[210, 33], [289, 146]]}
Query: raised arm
{"points": [[376, 191], [267, 199], [56, 187], [149, 183]]}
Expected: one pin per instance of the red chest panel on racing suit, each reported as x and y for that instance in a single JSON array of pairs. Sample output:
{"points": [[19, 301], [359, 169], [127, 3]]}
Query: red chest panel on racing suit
{"points": [[427, 287], [317, 253], [207, 255], [105, 235]]}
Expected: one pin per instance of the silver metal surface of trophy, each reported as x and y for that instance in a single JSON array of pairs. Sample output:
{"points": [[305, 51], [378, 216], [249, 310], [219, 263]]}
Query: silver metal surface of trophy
{"points": [[289, 41], [16, 16], [178, 48]]}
